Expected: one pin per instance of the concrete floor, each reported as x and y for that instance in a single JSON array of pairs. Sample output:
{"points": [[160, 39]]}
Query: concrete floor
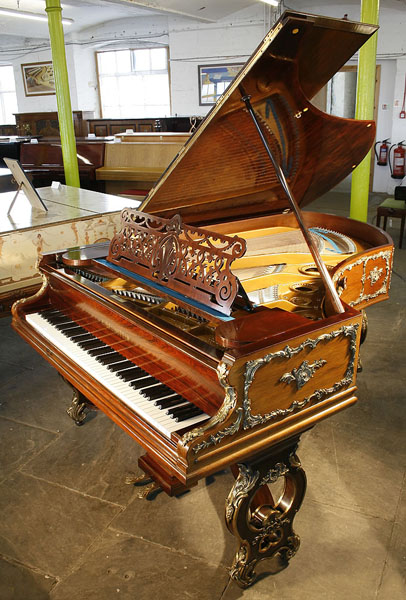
{"points": [[72, 530]]}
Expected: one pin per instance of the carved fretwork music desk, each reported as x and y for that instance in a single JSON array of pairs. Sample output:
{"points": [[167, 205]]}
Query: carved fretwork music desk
{"points": [[222, 322]]}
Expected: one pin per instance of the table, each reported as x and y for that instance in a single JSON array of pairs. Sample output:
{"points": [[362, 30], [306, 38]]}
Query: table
{"points": [[75, 217]]}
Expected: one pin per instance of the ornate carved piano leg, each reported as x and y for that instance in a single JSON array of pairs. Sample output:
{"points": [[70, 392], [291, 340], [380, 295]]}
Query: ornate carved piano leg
{"points": [[264, 530], [79, 407]]}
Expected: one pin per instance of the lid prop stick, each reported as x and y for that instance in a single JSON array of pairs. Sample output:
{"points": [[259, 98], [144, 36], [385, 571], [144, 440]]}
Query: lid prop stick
{"points": [[331, 292]]}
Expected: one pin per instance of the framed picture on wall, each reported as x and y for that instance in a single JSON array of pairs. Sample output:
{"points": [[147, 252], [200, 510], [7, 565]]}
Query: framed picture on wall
{"points": [[38, 78], [214, 80]]}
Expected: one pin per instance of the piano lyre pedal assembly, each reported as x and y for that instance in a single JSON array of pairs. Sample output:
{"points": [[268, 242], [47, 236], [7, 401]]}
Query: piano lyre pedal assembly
{"points": [[222, 322]]}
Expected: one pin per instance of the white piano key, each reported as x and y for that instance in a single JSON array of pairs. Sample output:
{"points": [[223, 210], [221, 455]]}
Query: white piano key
{"points": [[134, 399]]}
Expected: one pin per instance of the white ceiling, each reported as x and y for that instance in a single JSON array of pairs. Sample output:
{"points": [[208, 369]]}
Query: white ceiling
{"points": [[94, 12]]}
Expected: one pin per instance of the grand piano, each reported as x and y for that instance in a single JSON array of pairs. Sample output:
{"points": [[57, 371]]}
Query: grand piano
{"points": [[222, 322]]}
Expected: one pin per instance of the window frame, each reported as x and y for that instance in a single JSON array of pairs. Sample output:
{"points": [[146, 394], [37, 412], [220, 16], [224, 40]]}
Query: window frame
{"points": [[2, 92], [117, 75]]}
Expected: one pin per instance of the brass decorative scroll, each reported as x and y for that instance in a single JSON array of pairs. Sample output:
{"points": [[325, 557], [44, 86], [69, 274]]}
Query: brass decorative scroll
{"points": [[30, 299], [252, 366], [374, 276], [227, 407], [189, 260]]}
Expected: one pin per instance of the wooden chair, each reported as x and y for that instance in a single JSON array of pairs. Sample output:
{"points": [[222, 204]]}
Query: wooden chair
{"points": [[393, 209]]}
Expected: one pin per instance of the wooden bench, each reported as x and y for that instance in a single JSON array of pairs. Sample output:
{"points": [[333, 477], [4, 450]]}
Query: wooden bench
{"points": [[140, 162]]}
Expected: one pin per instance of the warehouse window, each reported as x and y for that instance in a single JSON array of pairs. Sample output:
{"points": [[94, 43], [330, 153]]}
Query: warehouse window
{"points": [[134, 83], [8, 97]]}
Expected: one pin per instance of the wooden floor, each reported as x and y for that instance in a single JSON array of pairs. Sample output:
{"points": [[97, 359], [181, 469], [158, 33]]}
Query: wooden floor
{"points": [[71, 529]]}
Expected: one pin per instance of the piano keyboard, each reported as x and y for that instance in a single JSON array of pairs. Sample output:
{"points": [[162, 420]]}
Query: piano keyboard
{"points": [[155, 402]]}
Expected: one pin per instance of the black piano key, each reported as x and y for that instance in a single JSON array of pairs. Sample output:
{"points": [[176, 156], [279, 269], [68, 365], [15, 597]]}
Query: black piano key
{"points": [[142, 382], [90, 344], [74, 331], [169, 401], [61, 322], [173, 411], [186, 412], [82, 337], [158, 391], [133, 373], [57, 319], [188, 415], [51, 311], [108, 359], [71, 328], [100, 350], [122, 366]]}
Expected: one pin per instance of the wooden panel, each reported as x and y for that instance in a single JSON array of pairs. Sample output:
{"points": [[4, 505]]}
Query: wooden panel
{"points": [[137, 161], [46, 124]]}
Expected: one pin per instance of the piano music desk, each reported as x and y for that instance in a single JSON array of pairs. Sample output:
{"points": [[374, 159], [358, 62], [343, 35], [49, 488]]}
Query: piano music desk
{"points": [[75, 216]]}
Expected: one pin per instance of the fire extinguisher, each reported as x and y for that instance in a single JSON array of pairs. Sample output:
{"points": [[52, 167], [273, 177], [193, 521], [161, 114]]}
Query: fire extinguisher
{"points": [[382, 155], [399, 160]]}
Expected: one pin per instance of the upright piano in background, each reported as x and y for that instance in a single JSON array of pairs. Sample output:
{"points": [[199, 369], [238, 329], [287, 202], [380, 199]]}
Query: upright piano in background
{"points": [[44, 162], [207, 330]]}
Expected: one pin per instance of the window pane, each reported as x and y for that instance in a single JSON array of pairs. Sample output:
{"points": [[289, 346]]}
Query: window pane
{"points": [[159, 59], [108, 90], [123, 61], [10, 106], [136, 89], [125, 88], [7, 79], [141, 60], [107, 62]]}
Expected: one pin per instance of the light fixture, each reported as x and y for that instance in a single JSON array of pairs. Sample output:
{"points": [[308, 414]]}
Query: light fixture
{"points": [[21, 14], [271, 2]]}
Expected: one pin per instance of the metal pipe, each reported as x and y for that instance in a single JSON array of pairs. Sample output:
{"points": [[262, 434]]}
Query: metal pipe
{"points": [[365, 110], [68, 142]]}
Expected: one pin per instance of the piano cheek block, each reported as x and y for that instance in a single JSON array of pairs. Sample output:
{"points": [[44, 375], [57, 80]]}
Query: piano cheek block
{"points": [[311, 370]]}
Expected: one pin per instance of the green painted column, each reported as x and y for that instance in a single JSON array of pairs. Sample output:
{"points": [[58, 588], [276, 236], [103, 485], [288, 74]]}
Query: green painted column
{"points": [[365, 110], [68, 143]]}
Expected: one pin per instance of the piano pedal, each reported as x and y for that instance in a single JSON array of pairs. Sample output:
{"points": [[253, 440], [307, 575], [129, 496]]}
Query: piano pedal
{"points": [[151, 489], [133, 479]]}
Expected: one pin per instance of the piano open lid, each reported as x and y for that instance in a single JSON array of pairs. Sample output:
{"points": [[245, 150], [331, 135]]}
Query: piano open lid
{"points": [[224, 172]]}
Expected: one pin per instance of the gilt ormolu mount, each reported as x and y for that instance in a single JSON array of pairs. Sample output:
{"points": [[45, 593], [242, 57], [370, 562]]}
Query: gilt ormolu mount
{"points": [[189, 260]]}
